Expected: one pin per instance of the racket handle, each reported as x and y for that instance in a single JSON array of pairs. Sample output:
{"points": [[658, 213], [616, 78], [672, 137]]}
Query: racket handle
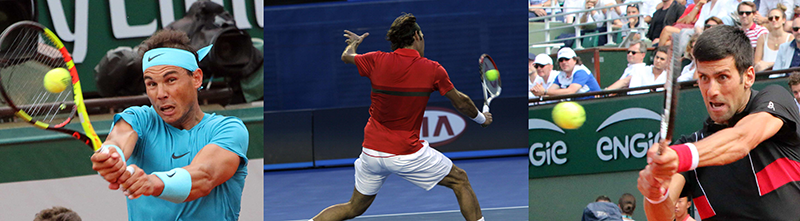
{"points": [[485, 108]]}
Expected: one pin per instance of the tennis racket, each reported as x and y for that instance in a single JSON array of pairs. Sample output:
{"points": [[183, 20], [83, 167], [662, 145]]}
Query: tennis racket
{"points": [[28, 51], [671, 89], [491, 89]]}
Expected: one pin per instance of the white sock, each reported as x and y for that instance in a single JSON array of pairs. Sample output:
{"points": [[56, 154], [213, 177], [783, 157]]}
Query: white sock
{"points": [[481, 219]]}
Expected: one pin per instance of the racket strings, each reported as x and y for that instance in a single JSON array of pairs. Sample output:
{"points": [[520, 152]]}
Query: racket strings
{"points": [[32, 56]]}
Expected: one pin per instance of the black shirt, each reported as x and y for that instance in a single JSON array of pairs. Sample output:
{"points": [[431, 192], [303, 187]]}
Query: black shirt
{"points": [[764, 184], [662, 18]]}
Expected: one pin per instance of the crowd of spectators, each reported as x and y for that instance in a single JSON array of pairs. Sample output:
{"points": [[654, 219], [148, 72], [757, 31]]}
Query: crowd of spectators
{"points": [[772, 26]]}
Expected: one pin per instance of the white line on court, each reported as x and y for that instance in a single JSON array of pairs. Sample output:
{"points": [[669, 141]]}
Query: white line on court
{"points": [[432, 212]]}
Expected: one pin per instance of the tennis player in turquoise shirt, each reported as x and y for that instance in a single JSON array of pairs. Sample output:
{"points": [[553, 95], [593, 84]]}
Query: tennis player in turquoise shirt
{"points": [[173, 161]]}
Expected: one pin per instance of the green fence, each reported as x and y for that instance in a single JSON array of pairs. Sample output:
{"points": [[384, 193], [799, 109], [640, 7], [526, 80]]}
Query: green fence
{"points": [[615, 136], [28, 153], [88, 30]]}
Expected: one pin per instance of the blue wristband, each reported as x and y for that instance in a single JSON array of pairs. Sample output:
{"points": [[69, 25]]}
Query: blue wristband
{"points": [[177, 185], [119, 151]]}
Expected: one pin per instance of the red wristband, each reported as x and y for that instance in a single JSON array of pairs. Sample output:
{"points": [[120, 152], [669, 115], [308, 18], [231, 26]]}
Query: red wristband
{"points": [[687, 156]]}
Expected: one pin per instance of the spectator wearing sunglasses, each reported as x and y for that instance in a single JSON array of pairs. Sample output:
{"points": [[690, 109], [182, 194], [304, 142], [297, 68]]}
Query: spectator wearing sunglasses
{"points": [[545, 76], [768, 45], [636, 65], [789, 51], [764, 6], [747, 11], [574, 77]]}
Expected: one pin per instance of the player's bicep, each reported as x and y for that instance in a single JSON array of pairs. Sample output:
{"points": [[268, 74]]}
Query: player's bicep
{"points": [[212, 166], [757, 127]]}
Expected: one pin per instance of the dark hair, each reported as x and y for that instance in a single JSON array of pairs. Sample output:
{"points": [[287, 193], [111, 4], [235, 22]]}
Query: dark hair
{"points": [[662, 48], [634, 6], [794, 78], [627, 203], [57, 213], [715, 19], [602, 197], [709, 47], [751, 4], [166, 38], [578, 60], [402, 31]]}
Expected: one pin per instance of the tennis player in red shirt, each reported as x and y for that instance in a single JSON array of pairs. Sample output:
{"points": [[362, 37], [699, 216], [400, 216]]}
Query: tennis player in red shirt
{"points": [[402, 82]]}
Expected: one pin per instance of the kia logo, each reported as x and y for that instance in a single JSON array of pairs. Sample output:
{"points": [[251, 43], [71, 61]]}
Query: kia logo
{"points": [[441, 126]]}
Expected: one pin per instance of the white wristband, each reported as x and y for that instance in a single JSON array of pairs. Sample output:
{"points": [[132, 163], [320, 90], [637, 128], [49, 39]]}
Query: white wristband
{"points": [[480, 119], [660, 200], [695, 155]]}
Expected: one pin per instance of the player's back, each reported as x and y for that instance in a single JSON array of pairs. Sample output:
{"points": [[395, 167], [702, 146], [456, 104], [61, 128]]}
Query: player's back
{"points": [[402, 82]]}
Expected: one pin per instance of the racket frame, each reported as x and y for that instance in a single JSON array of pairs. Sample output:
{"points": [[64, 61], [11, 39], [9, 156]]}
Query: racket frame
{"points": [[488, 96], [89, 136]]}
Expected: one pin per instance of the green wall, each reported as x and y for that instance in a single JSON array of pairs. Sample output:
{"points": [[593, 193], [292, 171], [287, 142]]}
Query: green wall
{"points": [[28, 153]]}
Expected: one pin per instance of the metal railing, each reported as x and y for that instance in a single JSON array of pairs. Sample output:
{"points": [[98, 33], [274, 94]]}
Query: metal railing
{"points": [[577, 26]]}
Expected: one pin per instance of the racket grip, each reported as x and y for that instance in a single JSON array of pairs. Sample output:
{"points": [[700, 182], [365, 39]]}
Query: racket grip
{"points": [[485, 108]]}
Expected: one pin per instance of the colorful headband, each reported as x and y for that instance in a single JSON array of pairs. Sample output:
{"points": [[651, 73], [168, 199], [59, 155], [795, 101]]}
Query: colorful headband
{"points": [[173, 56]]}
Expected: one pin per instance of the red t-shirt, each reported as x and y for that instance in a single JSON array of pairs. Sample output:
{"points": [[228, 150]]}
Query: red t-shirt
{"points": [[402, 82]]}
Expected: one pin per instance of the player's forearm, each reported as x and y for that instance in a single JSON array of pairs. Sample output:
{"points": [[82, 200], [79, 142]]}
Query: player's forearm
{"points": [[464, 105], [349, 53], [731, 144], [658, 212]]}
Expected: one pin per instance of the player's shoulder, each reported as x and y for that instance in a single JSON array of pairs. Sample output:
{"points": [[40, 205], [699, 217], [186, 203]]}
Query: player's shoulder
{"points": [[773, 93], [219, 121], [143, 110]]}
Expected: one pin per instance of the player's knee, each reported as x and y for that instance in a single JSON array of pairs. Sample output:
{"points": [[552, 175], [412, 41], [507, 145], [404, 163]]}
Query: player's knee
{"points": [[459, 176]]}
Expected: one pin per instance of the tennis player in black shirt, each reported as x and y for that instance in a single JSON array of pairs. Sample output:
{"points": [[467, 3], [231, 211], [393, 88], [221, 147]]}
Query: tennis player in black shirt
{"points": [[744, 164]]}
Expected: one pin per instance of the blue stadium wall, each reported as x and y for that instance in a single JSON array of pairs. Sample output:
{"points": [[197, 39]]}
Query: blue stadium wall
{"points": [[316, 106]]}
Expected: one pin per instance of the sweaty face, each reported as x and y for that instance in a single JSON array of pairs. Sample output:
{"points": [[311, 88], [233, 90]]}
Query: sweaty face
{"points": [[724, 91], [172, 92], [796, 92]]}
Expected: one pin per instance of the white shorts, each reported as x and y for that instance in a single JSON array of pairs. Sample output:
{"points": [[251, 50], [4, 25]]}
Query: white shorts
{"points": [[424, 168]]}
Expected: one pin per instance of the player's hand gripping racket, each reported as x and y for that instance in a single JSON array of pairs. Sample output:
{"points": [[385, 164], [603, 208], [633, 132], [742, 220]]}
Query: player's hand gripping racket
{"points": [[28, 51], [671, 89], [491, 88]]}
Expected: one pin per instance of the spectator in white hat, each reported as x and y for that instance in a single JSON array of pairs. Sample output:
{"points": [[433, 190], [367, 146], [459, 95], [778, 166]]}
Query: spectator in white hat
{"points": [[574, 77], [545, 77]]}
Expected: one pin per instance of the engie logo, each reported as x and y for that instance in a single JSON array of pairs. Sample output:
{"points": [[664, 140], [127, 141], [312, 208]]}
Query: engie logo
{"points": [[441, 126], [636, 145], [546, 153]]}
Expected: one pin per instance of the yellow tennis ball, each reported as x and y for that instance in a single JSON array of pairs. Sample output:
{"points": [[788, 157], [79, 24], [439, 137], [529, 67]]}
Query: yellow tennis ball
{"points": [[569, 115], [56, 80], [492, 74]]}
